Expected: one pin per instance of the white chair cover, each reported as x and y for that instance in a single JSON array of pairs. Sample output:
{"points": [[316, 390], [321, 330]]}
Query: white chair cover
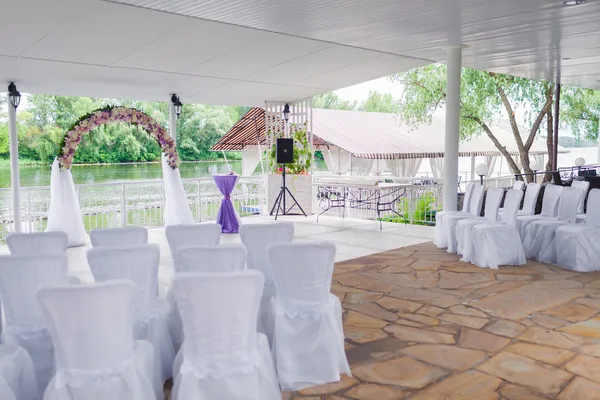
{"points": [[38, 243], [585, 186], [223, 356], [26, 325], [17, 376], [192, 235], [539, 237], [308, 335], [450, 220], [151, 319], [519, 185], [119, 237], [258, 238], [208, 259], [464, 227], [579, 242], [97, 357], [439, 238], [531, 197], [549, 209]]}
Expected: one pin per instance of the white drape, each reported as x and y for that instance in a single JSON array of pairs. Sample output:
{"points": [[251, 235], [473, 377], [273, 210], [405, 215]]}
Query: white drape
{"points": [[362, 166], [378, 167], [407, 168], [250, 159], [64, 213], [338, 160], [437, 166], [490, 161], [177, 209]]}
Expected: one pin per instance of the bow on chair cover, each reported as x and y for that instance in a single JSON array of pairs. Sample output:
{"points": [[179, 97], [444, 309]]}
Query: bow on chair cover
{"points": [[227, 216]]}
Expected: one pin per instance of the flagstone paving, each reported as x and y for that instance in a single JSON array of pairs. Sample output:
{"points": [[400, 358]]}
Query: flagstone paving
{"points": [[422, 325]]}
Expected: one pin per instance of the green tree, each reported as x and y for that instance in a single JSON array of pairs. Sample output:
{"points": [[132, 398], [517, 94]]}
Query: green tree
{"points": [[380, 102], [580, 111], [332, 101]]}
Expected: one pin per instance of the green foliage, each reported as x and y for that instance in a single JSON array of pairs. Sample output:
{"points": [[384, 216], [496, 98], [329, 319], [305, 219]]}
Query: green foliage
{"points": [[332, 101], [422, 214], [580, 111], [302, 155], [380, 102]]}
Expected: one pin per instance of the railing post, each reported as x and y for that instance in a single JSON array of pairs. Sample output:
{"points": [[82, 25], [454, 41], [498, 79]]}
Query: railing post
{"points": [[29, 222], [198, 204], [200, 201], [411, 207], [123, 207]]}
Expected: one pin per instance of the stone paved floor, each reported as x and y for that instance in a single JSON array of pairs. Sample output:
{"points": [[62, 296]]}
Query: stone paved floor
{"points": [[421, 325]]}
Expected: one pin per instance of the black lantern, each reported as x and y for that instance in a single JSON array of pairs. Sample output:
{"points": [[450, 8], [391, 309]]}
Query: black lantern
{"points": [[177, 103], [286, 112], [13, 95]]}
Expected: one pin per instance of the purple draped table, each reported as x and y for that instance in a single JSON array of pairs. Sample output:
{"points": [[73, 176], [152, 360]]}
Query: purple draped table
{"points": [[227, 217]]}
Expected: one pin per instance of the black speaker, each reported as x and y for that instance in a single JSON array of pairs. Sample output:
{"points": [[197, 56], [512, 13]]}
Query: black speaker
{"points": [[285, 151]]}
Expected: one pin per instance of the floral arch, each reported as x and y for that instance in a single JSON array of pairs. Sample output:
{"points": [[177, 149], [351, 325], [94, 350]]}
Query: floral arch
{"points": [[112, 114]]}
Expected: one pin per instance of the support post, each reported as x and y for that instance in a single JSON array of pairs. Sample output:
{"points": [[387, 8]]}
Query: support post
{"points": [[14, 167], [556, 123], [454, 65], [172, 121], [473, 168]]}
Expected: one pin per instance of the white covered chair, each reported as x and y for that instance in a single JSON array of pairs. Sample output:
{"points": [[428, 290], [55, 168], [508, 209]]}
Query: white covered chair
{"points": [[223, 356], [585, 186], [497, 243], [258, 238], [207, 259], [97, 357], [532, 192], [17, 375], [549, 209], [464, 227], [38, 243], [539, 237], [308, 333], [519, 185], [576, 245], [151, 319], [439, 238], [192, 236], [119, 237], [26, 325], [450, 220]]}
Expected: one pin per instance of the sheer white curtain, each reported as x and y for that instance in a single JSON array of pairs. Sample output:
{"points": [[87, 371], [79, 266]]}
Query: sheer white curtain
{"points": [[338, 160], [406, 168], [177, 209], [490, 161], [378, 167], [437, 166], [250, 159], [362, 166], [64, 213]]}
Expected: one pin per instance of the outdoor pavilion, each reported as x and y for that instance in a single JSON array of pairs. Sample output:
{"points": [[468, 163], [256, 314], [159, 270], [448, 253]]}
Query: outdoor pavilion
{"points": [[515, 333]]}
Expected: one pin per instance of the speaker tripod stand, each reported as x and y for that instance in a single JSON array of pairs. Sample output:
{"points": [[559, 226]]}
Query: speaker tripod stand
{"points": [[280, 200]]}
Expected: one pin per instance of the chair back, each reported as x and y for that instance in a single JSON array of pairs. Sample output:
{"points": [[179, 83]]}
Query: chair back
{"points": [[592, 216], [20, 279], [468, 195], [519, 185], [531, 197], [550, 200], [211, 259], [192, 235], [38, 243], [303, 273], [570, 199], [119, 237], [258, 238], [91, 325], [492, 203], [512, 202], [220, 314], [476, 200], [138, 264], [585, 186]]}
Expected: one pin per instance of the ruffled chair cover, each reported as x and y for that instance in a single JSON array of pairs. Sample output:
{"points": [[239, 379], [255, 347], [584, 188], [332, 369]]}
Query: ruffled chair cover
{"points": [[450, 221], [17, 376], [97, 357], [119, 237], [549, 209], [495, 244], [26, 325], [38, 243], [308, 333], [258, 238], [209, 259], [539, 237], [140, 265], [580, 241], [191, 236], [223, 356], [464, 227], [439, 238]]}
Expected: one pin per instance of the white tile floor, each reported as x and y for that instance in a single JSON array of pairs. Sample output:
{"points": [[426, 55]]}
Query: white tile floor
{"points": [[352, 237]]}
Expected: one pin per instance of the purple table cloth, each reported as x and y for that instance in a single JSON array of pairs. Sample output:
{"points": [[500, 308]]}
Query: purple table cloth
{"points": [[227, 217]]}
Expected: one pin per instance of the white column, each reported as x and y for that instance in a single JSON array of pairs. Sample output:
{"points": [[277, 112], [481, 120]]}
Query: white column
{"points": [[14, 167], [598, 161], [473, 168], [172, 121], [454, 60]]}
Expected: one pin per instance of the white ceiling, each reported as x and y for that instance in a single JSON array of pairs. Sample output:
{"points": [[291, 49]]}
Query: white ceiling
{"points": [[105, 49]]}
